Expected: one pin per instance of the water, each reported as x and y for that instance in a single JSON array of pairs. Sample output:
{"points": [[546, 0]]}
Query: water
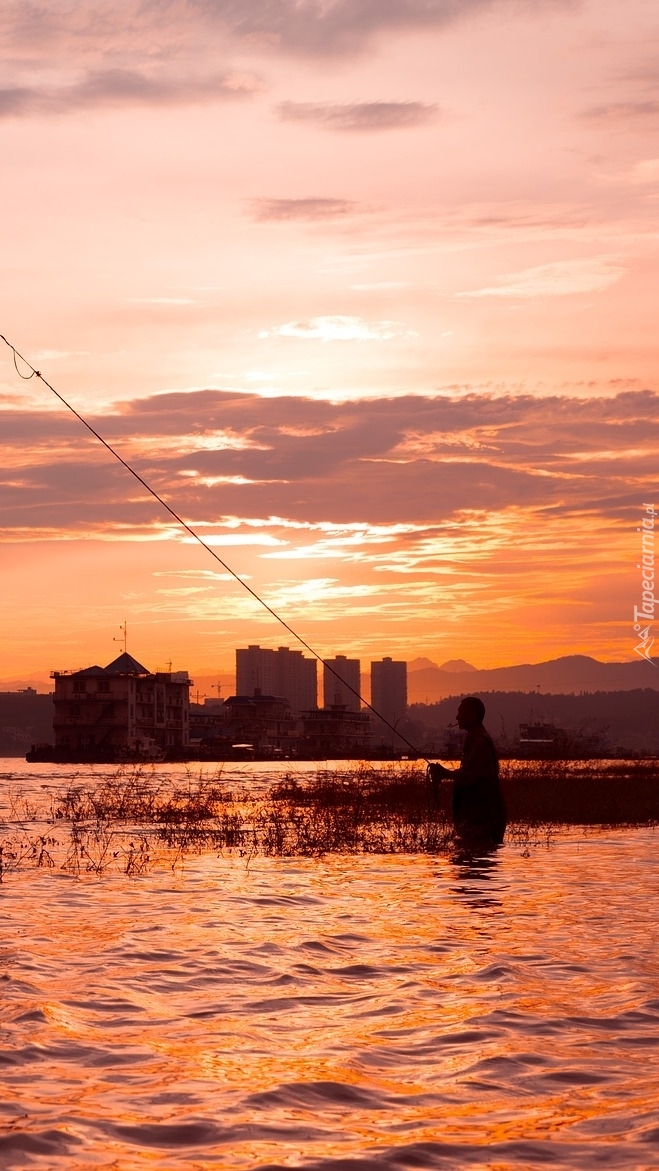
{"points": [[349, 1013]]}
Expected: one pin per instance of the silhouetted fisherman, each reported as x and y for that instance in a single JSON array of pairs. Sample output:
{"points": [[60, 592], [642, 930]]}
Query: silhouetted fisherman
{"points": [[479, 810]]}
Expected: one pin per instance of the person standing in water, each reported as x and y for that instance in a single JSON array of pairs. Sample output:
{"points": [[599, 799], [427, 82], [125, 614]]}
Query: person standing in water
{"points": [[479, 810]]}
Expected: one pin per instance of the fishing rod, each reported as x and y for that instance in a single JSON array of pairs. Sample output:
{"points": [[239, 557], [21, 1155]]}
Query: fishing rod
{"points": [[34, 373]]}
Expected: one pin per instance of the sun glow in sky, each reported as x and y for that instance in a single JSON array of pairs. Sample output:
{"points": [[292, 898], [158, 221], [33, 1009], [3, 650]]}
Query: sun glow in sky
{"points": [[366, 289]]}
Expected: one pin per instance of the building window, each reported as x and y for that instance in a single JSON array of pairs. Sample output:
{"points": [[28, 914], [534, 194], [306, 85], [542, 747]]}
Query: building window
{"points": [[104, 685], [80, 685]]}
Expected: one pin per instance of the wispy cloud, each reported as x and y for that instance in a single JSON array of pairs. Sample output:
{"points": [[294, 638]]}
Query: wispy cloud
{"points": [[623, 111], [221, 539], [339, 329], [343, 542], [58, 355], [310, 208], [184, 444], [646, 171], [209, 575], [121, 87], [161, 301], [560, 279], [360, 116]]}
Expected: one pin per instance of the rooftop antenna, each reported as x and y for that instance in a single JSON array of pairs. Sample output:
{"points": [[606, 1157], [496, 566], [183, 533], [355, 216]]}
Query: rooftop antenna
{"points": [[124, 635]]}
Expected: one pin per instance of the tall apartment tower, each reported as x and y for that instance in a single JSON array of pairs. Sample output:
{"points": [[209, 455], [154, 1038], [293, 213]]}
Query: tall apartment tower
{"points": [[255, 671], [389, 689], [296, 678], [283, 672], [334, 690]]}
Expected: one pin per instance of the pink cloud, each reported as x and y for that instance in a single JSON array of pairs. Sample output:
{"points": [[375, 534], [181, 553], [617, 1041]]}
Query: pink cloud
{"points": [[409, 460], [308, 28], [359, 116], [305, 208]]}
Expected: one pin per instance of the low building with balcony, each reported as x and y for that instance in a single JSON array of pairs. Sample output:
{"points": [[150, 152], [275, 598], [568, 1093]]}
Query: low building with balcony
{"points": [[120, 711], [206, 721], [335, 733], [261, 721]]}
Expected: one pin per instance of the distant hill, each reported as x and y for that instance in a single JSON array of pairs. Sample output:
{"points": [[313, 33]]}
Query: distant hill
{"points": [[569, 674], [451, 665], [626, 720], [43, 684], [456, 667]]}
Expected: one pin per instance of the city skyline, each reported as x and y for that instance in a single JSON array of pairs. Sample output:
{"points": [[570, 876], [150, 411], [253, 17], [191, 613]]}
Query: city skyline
{"points": [[427, 681], [367, 294]]}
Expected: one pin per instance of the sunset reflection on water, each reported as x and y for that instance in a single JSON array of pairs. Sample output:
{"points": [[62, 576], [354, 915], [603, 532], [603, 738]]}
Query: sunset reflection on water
{"points": [[396, 1011]]}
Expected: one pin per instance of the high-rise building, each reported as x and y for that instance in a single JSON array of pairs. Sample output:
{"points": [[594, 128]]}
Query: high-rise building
{"points": [[334, 690], [284, 673], [389, 690], [254, 671], [296, 678]]}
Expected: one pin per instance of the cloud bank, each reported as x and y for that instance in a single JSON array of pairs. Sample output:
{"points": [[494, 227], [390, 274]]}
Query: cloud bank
{"points": [[408, 460], [300, 27], [380, 522]]}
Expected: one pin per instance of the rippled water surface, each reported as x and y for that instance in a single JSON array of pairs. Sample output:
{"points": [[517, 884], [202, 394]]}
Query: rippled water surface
{"points": [[346, 1013]]}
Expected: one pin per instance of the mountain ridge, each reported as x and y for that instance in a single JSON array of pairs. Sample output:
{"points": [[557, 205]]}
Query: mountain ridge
{"points": [[564, 675]]}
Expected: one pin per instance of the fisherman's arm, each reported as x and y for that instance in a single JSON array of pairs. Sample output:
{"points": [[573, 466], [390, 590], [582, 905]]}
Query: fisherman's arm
{"points": [[476, 764], [439, 771]]}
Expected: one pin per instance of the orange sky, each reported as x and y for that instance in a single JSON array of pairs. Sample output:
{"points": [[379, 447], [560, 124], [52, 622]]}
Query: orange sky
{"points": [[366, 288]]}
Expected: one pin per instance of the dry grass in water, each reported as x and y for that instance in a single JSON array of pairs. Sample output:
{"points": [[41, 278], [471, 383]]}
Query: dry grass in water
{"points": [[134, 819], [587, 793]]}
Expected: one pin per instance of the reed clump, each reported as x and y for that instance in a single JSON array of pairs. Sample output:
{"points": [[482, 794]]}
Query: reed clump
{"points": [[361, 810], [137, 817], [588, 793], [125, 822], [140, 796]]}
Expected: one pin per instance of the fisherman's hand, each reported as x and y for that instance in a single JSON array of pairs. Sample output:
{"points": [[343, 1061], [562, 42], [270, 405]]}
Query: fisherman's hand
{"points": [[437, 772]]}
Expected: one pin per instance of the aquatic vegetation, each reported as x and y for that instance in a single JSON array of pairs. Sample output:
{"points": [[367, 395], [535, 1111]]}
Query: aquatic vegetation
{"points": [[137, 817], [588, 792]]}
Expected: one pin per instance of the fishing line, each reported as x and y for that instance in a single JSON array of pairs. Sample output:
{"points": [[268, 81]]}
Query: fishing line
{"points": [[34, 373]]}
